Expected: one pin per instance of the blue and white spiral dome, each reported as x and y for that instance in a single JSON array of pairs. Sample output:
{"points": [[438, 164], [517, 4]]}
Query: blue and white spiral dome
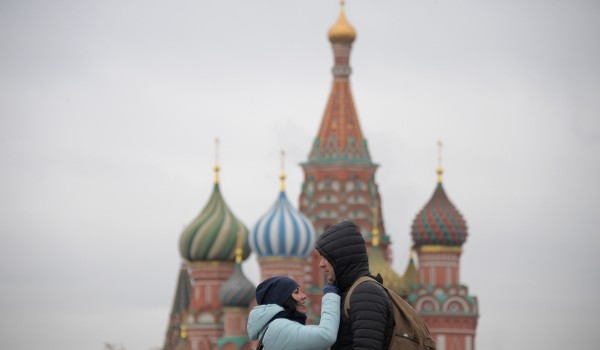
{"points": [[283, 232]]}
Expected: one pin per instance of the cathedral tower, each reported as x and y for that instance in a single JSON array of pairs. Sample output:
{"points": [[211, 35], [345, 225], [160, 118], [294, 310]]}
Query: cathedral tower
{"points": [[283, 238], [211, 302], [438, 233], [208, 248], [339, 176]]}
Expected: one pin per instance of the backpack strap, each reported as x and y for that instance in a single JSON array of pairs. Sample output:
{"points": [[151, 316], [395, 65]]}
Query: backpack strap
{"points": [[354, 285], [260, 342]]}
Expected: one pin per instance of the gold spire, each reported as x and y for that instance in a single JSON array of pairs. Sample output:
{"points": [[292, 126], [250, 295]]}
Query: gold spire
{"points": [[411, 276], [282, 174], [342, 31], [440, 170], [217, 168], [378, 263], [375, 231]]}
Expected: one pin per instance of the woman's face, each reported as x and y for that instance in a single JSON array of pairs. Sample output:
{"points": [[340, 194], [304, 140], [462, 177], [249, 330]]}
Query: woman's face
{"points": [[299, 297]]}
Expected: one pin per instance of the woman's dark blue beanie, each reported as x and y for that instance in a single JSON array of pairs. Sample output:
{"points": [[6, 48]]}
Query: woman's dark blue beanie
{"points": [[275, 290]]}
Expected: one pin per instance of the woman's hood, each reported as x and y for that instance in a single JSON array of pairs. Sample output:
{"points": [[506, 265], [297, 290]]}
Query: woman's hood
{"points": [[259, 317]]}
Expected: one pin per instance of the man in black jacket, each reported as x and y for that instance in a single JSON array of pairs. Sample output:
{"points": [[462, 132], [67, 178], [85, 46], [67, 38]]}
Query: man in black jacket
{"points": [[344, 260]]}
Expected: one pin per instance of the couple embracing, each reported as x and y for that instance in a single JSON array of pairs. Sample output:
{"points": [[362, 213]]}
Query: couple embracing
{"points": [[279, 319]]}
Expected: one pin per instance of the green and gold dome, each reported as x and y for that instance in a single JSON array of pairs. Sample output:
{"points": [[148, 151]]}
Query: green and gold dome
{"points": [[213, 234]]}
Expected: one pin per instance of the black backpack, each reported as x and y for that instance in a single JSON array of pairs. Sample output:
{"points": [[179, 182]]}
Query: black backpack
{"points": [[410, 331]]}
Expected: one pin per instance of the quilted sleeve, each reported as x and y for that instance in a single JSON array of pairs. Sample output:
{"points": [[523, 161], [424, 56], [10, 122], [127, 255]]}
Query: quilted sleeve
{"points": [[325, 334], [370, 310], [286, 334]]}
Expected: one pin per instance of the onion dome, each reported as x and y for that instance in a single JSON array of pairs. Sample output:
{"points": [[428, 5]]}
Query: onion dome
{"points": [[439, 222], [213, 234], [342, 32], [237, 291], [378, 265], [283, 230]]}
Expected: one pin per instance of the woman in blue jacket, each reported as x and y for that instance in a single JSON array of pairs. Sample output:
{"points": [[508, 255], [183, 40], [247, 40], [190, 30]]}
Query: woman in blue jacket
{"points": [[279, 319]]}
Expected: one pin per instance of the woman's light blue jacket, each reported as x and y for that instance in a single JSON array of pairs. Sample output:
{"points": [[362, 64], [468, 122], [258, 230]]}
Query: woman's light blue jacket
{"points": [[284, 334]]}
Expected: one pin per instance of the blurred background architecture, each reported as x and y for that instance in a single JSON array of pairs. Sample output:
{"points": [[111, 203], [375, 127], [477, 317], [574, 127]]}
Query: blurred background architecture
{"points": [[213, 296]]}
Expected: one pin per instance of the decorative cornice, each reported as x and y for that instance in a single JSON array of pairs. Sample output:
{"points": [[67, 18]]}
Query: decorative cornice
{"points": [[280, 259], [235, 309], [439, 249], [196, 264]]}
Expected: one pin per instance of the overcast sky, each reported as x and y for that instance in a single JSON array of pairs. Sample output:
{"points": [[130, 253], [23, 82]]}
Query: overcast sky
{"points": [[109, 110]]}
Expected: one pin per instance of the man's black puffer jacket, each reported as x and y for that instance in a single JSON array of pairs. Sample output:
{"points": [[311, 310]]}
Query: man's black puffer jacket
{"points": [[371, 320]]}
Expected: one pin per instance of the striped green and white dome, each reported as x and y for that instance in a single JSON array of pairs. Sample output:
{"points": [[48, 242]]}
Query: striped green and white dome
{"points": [[213, 234]]}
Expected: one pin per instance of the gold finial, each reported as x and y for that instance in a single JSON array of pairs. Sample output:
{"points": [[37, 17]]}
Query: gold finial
{"points": [[342, 31], [375, 231], [183, 328], [282, 174], [238, 254], [217, 168], [183, 332], [239, 250], [440, 170]]}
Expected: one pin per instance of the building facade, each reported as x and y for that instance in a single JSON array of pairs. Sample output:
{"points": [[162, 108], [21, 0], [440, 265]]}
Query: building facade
{"points": [[213, 297]]}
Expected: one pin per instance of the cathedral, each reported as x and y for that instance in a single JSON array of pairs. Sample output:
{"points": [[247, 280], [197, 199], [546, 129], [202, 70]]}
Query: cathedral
{"points": [[213, 296]]}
